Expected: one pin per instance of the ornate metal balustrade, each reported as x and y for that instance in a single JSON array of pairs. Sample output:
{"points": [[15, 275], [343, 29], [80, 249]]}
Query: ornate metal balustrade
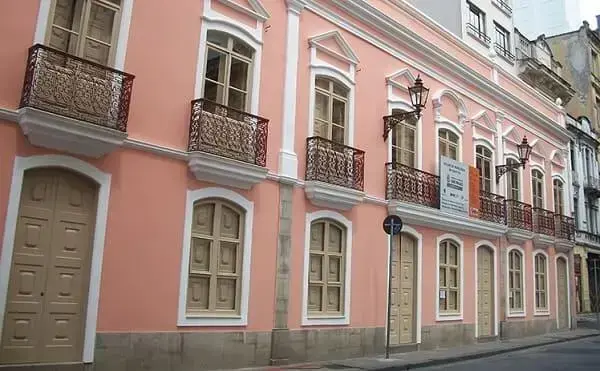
{"points": [[69, 86], [227, 132], [565, 227], [491, 207], [408, 184], [334, 163], [502, 4], [543, 221], [480, 34], [588, 237], [519, 215], [501, 50]]}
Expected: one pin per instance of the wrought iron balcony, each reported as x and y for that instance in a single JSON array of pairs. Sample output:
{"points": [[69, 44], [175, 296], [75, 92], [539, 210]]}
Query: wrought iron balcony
{"points": [[477, 33], [228, 132], [408, 184], [503, 52], [76, 88], [591, 185], [491, 207], [503, 5], [519, 215], [565, 227], [334, 163], [543, 221]]}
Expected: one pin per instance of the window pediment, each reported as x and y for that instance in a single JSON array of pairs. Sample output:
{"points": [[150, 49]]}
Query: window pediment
{"points": [[401, 79], [334, 44], [252, 8]]}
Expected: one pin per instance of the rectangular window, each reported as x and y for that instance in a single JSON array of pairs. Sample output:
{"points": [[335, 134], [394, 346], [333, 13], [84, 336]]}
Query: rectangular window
{"points": [[595, 64], [537, 188], [476, 18], [85, 28], [404, 143], [331, 110], [502, 42], [448, 144], [559, 206], [513, 182], [515, 281], [449, 277], [541, 302], [483, 162]]}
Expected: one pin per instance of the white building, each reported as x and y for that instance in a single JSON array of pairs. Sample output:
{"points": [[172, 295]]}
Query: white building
{"points": [[548, 17]]}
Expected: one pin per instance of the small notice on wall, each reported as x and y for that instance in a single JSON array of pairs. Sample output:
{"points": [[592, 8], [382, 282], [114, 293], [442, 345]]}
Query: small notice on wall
{"points": [[454, 186]]}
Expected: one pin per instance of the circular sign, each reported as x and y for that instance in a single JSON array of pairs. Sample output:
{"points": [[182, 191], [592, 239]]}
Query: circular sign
{"points": [[392, 225]]}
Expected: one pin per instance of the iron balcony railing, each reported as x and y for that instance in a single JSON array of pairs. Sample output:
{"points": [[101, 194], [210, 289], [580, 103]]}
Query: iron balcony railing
{"points": [[73, 87], [592, 184], [565, 227], [480, 34], [228, 132], [504, 52], [491, 207], [408, 184], [543, 221], [519, 215], [334, 163], [503, 6], [588, 237]]}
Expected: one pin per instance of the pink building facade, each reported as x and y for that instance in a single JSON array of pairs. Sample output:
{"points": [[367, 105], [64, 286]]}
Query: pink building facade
{"points": [[210, 193]]}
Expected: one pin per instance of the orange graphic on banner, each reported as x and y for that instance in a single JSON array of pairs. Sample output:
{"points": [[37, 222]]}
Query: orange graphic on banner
{"points": [[474, 201]]}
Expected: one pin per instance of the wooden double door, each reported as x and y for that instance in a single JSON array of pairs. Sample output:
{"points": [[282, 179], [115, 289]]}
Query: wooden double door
{"points": [[485, 292], [44, 316], [404, 291]]}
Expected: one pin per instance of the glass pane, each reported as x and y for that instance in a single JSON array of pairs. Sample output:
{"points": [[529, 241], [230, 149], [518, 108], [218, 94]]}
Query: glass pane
{"points": [[238, 77], [452, 153], [337, 134], [517, 280], [63, 40], [215, 65], [408, 158], [453, 278], [517, 300], [339, 112], [442, 277], [453, 300], [340, 90], [67, 14], [96, 52], [100, 23], [213, 91], [443, 253], [321, 129], [242, 48], [217, 38], [453, 259], [237, 99], [321, 106], [322, 83], [409, 139]]}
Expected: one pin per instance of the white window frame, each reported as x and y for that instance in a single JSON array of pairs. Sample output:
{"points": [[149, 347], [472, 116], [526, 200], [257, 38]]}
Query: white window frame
{"points": [[488, 244], [43, 20], [450, 126], [536, 311], [513, 156], [509, 312], [439, 317], [487, 144], [344, 319], [565, 194], [544, 190], [183, 319], [401, 104], [212, 20]]}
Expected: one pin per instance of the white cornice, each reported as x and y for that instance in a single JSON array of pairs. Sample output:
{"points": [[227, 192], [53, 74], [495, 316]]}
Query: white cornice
{"points": [[257, 10], [431, 59]]}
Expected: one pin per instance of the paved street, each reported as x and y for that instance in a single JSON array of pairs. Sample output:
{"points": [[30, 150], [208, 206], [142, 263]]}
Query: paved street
{"points": [[578, 355]]}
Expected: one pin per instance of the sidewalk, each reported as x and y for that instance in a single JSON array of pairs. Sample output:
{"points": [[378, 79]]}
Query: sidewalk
{"points": [[405, 361]]}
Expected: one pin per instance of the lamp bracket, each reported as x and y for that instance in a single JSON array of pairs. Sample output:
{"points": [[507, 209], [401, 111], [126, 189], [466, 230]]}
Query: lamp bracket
{"points": [[503, 169], [390, 121]]}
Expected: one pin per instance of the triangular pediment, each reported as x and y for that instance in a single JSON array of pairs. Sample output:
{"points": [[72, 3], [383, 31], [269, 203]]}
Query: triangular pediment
{"points": [[538, 148], [558, 158], [483, 121], [252, 8], [401, 79], [334, 44], [513, 135]]}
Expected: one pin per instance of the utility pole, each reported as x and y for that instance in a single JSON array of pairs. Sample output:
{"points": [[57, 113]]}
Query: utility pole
{"points": [[392, 225]]}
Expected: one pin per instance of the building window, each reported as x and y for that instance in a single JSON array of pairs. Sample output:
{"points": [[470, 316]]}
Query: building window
{"points": [[483, 162], [327, 265], [214, 281], [404, 141], [595, 64], [85, 28], [449, 277], [515, 281], [537, 188], [541, 297], [476, 20], [331, 110], [513, 181], [559, 205], [502, 43], [227, 72], [448, 144], [572, 150]]}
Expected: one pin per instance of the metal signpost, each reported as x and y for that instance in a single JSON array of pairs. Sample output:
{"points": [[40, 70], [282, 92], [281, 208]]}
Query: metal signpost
{"points": [[392, 225]]}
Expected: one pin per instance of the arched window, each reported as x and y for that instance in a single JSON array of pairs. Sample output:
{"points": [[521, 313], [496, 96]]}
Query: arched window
{"points": [[85, 28], [331, 110], [448, 144], [327, 266], [227, 71], [515, 281], [216, 254], [404, 141], [483, 162], [513, 182], [559, 203], [449, 277], [541, 295], [537, 188]]}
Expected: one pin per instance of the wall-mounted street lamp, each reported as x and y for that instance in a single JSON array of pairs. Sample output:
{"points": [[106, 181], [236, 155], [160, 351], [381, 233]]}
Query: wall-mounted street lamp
{"points": [[524, 150], [418, 97]]}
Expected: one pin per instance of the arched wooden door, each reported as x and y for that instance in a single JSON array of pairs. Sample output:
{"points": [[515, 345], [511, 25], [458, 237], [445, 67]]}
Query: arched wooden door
{"points": [[44, 317]]}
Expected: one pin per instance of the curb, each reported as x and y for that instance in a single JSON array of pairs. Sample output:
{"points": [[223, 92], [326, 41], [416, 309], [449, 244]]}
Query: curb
{"points": [[485, 354]]}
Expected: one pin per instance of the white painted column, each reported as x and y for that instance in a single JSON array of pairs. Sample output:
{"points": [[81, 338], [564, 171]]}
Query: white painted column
{"points": [[582, 214], [288, 160], [501, 187]]}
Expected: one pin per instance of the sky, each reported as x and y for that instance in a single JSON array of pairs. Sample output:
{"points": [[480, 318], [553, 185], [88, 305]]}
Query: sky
{"points": [[589, 10]]}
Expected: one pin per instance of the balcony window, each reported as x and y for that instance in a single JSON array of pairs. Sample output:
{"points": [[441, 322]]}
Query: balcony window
{"points": [[483, 162], [476, 19], [404, 139], [558, 190], [537, 188], [595, 64], [448, 144], [227, 76], [85, 28], [331, 110], [502, 42], [513, 181]]}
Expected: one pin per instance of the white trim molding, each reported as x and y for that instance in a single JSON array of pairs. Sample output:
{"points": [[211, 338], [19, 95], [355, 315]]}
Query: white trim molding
{"points": [[346, 223], [536, 311], [248, 206], [486, 143], [556, 257], [21, 164], [487, 244], [510, 313], [449, 316]]}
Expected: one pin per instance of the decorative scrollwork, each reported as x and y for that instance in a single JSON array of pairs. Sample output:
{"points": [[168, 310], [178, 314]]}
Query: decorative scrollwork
{"points": [[519, 215], [73, 87], [334, 163], [543, 221], [491, 207], [408, 184], [227, 132], [565, 227]]}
